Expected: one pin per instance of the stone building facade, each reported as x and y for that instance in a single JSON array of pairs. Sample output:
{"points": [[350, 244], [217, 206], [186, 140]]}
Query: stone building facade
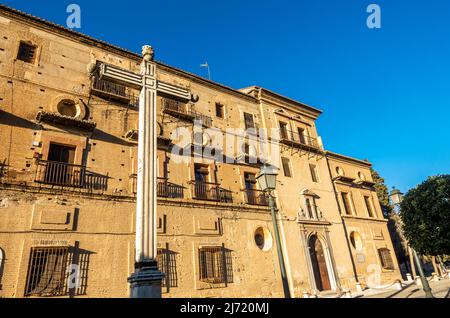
{"points": [[68, 181]]}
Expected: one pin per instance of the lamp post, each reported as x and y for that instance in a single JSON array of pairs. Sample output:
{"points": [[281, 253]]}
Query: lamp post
{"points": [[396, 198], [426, 287], [267, 178]]}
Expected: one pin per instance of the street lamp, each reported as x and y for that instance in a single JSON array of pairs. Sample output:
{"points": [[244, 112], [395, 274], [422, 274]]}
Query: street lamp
{"points": [[396, 198], [426, 287], [267, 179]]}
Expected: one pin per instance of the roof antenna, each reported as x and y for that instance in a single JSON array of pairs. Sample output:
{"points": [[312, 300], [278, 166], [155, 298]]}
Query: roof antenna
{"points": [[207, 66]]}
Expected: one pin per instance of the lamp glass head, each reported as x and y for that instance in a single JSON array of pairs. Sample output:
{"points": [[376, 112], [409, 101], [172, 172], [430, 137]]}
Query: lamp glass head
{"points": [[267, 178]]}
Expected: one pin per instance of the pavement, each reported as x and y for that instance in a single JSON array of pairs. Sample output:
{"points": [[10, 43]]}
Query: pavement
{"points": [[439, 289]]}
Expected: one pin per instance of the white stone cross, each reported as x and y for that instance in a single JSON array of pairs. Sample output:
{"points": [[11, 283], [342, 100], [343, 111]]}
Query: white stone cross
{"points": [[144, 282]]}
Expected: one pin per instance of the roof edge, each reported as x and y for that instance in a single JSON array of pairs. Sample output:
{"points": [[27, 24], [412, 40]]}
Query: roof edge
{"points": [[284, 98], [347, 158], [86, 39]]}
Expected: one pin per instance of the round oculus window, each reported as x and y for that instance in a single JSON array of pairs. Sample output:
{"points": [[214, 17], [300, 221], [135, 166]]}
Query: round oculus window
{"points": [[263, 238], [67, 107], [356, 240]]}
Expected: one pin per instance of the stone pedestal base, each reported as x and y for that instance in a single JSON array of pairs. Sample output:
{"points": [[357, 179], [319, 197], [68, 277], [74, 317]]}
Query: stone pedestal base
{"points": [[435, 277], [145, 282], [409, 277], [359, 288]]}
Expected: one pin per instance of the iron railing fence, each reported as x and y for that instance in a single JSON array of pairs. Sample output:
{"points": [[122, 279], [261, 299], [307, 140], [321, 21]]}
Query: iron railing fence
{"points": [[211, 192], [256, 197]]}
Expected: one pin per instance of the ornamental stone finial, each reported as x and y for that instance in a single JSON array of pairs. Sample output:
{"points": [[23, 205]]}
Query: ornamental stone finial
{"points": [[147, 53]]}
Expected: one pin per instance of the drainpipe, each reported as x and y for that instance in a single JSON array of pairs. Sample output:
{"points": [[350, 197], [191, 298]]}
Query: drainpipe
{"points": [[355, 273]]}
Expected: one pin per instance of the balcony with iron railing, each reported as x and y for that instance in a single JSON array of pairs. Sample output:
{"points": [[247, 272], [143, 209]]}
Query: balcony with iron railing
{"points": [[209, 191], [68, 175], [165, 189], [256, 197], [181, 110], [296, 139], [113, 91]]}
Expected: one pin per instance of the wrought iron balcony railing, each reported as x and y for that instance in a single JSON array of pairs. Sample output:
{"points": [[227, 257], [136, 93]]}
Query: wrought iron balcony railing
{"points": [[211, 192], [110, 90], [165, 189], [60, 173], [297, 139], [256, 197], [69, 175], [179, 109]]}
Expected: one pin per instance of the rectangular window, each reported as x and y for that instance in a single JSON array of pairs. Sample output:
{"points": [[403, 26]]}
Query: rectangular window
{"points": [[314, 175], [220, 110], [249, 121], [309, 208], [283, 130], [386, 258], [346, 202], [201, 173], [301, 135], [250, 180], [47, 271], [214, 265], [26, 52], [60, 153], [368, 206], [286, 167]]}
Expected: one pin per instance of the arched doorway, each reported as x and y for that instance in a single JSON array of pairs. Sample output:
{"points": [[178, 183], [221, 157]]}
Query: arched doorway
{"points": [[319, 264]]}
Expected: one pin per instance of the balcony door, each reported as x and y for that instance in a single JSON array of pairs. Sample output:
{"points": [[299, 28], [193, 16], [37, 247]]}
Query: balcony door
{"points": [[60, 169], [283, 130], [201, 181]]}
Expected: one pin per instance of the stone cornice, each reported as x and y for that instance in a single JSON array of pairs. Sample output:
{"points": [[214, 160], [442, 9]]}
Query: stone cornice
{"points": [[334, 155], [364, 219], [283, 101]]}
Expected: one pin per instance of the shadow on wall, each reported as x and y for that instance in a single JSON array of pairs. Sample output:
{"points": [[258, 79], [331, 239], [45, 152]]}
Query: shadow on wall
{"points": [[167, 264], [9, 119], [2, 265], [81, 258]]}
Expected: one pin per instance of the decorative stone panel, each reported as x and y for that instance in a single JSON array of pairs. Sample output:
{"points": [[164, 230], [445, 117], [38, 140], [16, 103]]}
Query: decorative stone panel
{"points": [[53, 217], [209, 225]]}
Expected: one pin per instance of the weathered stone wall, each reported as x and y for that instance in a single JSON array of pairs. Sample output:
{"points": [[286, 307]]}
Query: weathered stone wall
{"points": [[100, 220]]}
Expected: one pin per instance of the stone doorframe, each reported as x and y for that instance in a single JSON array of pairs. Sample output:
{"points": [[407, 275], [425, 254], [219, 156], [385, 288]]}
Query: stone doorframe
{"points": [[323, 236]]}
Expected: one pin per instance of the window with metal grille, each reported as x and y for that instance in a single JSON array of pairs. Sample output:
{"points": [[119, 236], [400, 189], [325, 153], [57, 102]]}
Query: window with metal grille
{"points": [[167, 264], [286, 167], [26, 52], [249, 121], [215, 265], [386, 258], [314, 175], [47, 271]]}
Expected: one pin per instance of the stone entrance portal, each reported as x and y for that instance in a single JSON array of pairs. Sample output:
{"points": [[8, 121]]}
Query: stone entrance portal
{"points": [[319, 264]]}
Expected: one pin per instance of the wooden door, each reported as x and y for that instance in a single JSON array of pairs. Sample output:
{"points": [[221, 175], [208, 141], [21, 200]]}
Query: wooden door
{"points": [[319, 264]]}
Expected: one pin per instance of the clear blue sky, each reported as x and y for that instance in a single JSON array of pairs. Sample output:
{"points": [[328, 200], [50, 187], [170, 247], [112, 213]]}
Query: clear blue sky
{"points": [[385, 93]]}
